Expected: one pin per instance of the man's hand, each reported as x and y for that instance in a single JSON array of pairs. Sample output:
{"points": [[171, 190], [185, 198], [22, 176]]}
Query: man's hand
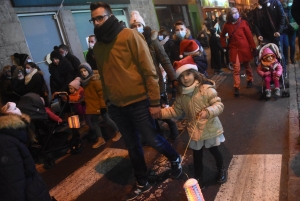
{"points": [[155, 112], [277, 34], [260, 38]]}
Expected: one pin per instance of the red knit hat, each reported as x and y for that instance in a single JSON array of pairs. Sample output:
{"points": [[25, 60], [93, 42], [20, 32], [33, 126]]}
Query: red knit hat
{"points": [[188, 47], [184, 64]]}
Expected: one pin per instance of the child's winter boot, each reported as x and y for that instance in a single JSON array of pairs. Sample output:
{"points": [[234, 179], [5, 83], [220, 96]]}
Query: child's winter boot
{"points": [[222, 175]]}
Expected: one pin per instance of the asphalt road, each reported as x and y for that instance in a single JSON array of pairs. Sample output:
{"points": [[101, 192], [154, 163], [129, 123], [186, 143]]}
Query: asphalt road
{"points": [[255, 151]]}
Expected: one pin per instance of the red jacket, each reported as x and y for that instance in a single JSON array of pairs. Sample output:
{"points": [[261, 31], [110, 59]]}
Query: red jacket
{"points": [[241, 42]]}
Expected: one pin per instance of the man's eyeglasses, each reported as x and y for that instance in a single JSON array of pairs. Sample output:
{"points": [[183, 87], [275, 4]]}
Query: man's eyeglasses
{"points": [[97, 18]]}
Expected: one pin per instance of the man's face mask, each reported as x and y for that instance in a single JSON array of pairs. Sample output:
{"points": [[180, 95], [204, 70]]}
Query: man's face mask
{"points": [[160, 37], [180, 34]]}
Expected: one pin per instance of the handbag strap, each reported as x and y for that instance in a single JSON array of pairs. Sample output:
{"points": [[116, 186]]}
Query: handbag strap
{"points": [[234, 31]]}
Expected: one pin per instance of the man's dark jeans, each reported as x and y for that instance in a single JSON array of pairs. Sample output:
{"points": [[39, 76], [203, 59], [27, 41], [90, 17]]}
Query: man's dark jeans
{"points": [[135, 120]]}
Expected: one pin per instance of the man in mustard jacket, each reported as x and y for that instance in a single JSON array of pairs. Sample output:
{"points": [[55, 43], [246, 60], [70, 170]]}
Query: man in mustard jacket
{"points": [[131, 90]]}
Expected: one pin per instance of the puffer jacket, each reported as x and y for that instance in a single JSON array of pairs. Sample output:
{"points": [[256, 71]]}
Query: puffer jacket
{"points": [[93, 95], [19, 179], [204, 97]]}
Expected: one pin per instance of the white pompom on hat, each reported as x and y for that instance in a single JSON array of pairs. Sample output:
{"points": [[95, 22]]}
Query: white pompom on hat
{"points": [[11, 108], [184, 64], [75, 83], [136, 17], [188, 47]]}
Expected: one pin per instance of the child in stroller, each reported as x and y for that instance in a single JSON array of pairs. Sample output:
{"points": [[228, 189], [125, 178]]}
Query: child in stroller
{"points": [[51, 136], [269, 68]]}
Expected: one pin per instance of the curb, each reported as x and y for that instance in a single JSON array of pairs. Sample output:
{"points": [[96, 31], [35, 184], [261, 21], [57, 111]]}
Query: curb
{"points": [[294, 147]]}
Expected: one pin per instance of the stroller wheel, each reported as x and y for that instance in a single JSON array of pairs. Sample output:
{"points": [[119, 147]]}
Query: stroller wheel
{"points": [[285, 93], [49, 162], [76, 146]]}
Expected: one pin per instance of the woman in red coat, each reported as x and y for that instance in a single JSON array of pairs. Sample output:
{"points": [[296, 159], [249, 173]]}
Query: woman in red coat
{"points": [[241, 47]]}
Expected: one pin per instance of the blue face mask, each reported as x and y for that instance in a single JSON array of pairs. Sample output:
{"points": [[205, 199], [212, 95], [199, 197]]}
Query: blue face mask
{"points": [[180, 34], [236, 16], [140, 29], [160, 37]]}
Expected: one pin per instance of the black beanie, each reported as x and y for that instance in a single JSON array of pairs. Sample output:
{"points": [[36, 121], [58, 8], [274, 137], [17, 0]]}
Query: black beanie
{"points": [[21, 57], [55, 54]]}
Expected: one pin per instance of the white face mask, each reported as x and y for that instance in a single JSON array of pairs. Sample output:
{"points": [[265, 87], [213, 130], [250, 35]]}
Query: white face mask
{"points": [[91, 45], [180, 34], [29, 60], [140, 29], [160, 37], [28, 71]]}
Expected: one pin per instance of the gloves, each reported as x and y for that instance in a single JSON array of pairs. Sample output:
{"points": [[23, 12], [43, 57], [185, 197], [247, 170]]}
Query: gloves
{"points": [[103, 110]]}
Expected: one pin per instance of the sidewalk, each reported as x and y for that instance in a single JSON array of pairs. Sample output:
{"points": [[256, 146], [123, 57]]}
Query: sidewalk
{"points": [[294, 139]]}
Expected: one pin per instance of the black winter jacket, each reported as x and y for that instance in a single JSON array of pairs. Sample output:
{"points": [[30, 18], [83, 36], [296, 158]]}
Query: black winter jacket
{"points": [[19, 179], [262, 24], [75, 62], [61, 75]]}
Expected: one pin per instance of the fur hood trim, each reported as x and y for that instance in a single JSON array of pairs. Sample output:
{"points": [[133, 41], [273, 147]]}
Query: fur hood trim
{"points": [[13, 121]]}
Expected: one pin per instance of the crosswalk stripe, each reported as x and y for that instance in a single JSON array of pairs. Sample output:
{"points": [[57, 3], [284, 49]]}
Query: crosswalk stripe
{"points": [[83, 178], [252, 177]]}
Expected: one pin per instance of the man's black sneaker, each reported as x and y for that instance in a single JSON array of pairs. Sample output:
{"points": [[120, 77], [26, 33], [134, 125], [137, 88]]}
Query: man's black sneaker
{"points": [[249, 84], [137, 190], [176, 168]]}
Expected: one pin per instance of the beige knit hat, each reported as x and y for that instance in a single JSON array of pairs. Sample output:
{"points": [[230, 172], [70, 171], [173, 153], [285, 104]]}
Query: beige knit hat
{"points": [[136, 17]]}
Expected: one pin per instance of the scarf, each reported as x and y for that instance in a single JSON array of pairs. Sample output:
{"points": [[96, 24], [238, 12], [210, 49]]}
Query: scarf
{"points": [[29, 76], [187, 90], [85, 82], [108, 30]]}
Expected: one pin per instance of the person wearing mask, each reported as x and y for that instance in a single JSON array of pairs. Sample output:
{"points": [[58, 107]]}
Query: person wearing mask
{"points": [[35, 82], [137, 22], [124, 63], [75, 62], [61, 73], [159, 57], [288, 36], [90, 59], [19, 178], [165, 40], [241, 47]]}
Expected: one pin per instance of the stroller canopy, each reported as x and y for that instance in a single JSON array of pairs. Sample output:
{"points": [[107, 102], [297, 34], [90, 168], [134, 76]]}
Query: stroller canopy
{"points": [[32, 105]]}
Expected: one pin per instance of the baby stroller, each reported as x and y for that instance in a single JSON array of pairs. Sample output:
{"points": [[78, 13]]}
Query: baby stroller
{"points": [[51, 136], [273, 47]]}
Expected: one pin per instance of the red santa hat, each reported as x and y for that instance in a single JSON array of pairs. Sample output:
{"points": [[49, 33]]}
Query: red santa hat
{"points": [[184, 64], [188, 47]]}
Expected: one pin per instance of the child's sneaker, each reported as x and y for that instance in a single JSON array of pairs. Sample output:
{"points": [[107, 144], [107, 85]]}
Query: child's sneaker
{"points": [[176, 168], [137, 190], [277, 91], [268, 93]]}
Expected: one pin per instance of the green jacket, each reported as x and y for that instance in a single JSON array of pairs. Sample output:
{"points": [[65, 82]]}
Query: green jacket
{"points": [[126, 69]]}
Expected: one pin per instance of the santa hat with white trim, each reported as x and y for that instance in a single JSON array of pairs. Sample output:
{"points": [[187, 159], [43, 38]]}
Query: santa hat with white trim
{"points": [[188, 47], [184, 64]]}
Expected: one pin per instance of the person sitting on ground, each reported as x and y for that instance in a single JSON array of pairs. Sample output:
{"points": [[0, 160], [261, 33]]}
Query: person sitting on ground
{"points": [[270, 70], [64, 51], [19, 178], [191, 48], [95, 105], [198, 98]]}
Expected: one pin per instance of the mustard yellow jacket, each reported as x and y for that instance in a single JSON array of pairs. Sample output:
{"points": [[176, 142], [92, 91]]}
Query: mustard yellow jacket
{"points": [[126, 69]]}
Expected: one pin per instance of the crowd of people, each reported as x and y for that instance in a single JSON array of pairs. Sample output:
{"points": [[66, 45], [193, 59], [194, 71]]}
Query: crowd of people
{"points": [[127, 73]]}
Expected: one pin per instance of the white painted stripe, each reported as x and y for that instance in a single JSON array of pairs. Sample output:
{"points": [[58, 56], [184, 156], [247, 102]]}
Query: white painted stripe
{"points": [[252, 177], [83, 178]]}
